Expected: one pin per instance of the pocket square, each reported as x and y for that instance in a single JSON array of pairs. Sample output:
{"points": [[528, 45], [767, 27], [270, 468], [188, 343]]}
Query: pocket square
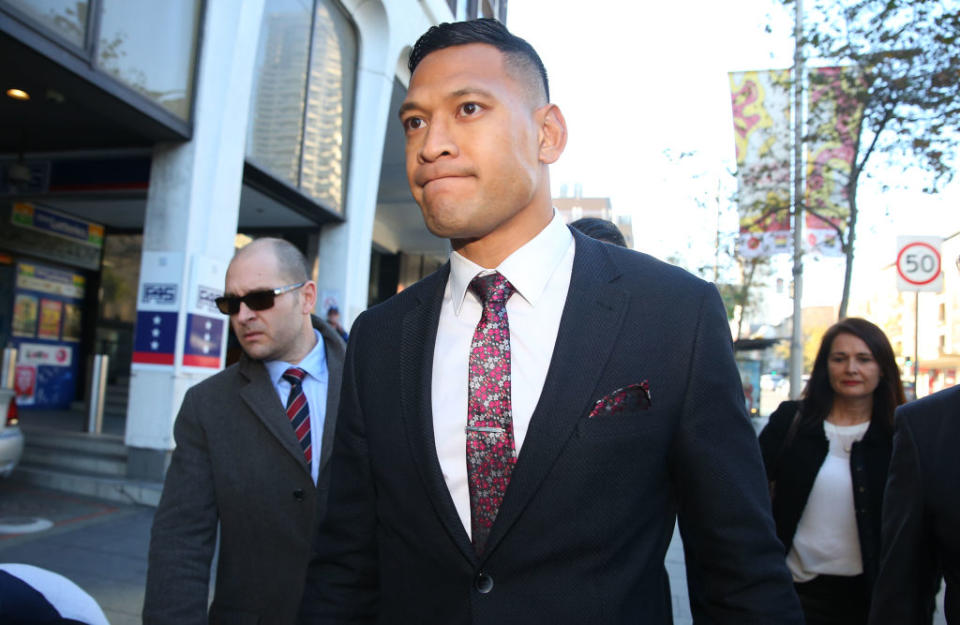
{"points": [[632, 397]]}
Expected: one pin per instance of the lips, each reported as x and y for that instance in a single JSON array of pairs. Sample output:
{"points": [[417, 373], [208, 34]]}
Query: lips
{"points": [[425, 176]]}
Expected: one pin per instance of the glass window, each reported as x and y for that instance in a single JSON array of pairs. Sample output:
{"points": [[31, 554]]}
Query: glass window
{"points": [[68, 18], [333, 63], [275, 131], [151, 47], [119, 277]]}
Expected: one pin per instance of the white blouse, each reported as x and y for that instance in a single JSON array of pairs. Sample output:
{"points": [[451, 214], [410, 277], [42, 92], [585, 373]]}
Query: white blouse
{"points": [[827, 541]]}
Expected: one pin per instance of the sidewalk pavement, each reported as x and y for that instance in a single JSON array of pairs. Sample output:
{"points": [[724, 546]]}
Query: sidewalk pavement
{"points": [[102, 547]]}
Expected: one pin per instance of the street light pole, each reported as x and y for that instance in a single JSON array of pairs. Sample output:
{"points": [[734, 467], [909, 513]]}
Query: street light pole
{"points": [[796, 341]]}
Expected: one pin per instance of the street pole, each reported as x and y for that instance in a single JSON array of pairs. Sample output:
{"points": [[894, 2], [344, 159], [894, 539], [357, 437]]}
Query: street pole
{"points": [[796, 341]]}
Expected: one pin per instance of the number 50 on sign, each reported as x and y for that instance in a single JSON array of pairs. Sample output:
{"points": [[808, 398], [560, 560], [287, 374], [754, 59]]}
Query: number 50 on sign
{"points": [[918, 264]]}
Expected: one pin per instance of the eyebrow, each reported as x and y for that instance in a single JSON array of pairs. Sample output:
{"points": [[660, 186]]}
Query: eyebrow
{"points": [[459, 93]]}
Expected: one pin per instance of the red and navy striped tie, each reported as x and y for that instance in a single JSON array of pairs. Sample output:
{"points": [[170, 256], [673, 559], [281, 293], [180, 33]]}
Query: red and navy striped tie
{"points": [[298, 411]]}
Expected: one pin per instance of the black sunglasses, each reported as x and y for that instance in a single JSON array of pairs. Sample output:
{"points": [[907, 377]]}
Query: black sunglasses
{"points": [[255, 300]]}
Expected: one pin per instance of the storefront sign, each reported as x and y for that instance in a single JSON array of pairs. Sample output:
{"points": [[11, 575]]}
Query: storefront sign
{"points": [[32, 277], [158, 309], [26, 215], [37, 354], [204, 343], [25, 385], [155, 338]]}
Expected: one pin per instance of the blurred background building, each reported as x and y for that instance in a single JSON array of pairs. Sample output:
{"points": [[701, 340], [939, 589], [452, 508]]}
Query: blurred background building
{"points": [[142, 142]]}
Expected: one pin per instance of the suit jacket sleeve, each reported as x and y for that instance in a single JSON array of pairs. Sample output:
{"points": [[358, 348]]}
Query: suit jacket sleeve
{"points": [[774, 434], [736, 570], [906, 584], [184, 530], [341, 585]]}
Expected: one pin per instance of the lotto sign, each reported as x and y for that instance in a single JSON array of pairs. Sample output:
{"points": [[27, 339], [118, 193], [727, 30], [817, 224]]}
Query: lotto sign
{"points": [[918, 264]]}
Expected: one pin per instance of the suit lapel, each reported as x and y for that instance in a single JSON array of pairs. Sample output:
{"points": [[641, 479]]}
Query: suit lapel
{"points": [[262, 399], [333, 348], [591, 321], [418, 338]]}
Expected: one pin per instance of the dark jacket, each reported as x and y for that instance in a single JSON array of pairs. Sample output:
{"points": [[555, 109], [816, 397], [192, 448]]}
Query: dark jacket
{"points": [[582, 532], [795, 468], [238, 466], [922, 514]]}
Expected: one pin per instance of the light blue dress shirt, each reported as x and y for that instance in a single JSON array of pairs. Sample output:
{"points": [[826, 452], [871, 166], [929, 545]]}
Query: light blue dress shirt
{"points": [[314, 387]]}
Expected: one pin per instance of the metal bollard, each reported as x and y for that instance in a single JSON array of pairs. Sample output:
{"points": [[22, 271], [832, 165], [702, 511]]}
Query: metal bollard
{"points": [[98, 392], [8, 370]]}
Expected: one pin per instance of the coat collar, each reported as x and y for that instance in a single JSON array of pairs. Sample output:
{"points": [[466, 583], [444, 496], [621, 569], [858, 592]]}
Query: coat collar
{"points": [[261, 397], [594, 312]]}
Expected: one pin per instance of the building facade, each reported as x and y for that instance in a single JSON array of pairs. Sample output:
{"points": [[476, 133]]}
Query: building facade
{"points": [[923, 328], [142, 142]]}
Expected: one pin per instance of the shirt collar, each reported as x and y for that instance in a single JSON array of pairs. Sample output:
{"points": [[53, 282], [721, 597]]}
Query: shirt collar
{"points": [[314, 363], [528, 269]]}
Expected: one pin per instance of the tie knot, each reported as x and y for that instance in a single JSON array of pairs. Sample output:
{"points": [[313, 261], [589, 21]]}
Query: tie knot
{"points": [[492, 288], [294, 375]]}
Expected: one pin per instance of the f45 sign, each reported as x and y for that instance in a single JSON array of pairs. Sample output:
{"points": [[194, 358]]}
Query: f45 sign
{"points": [[918, 264]]}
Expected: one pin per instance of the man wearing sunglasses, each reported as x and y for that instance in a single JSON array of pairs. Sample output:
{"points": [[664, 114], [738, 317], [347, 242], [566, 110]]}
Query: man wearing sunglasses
{"points": [[252, 448]]}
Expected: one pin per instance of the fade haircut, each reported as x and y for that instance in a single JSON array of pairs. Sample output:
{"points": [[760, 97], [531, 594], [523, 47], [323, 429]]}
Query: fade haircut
{"points": [[290, 261], [519, 56]]}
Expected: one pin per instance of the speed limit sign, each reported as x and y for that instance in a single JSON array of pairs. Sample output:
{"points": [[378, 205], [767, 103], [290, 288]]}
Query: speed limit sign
{"points": [[918, 264]]}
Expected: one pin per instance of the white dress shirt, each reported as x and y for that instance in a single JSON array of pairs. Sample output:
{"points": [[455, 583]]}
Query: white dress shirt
{"points": [[540, 274], [314, 387], [827, 541]]}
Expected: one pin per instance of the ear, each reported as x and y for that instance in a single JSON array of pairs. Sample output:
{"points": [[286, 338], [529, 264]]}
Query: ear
{"points": [[552, 133], [308, 294]]}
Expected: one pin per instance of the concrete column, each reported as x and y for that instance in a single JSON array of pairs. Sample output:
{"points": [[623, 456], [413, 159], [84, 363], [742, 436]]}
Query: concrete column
{"points": [[191, 219], [343, 254]]}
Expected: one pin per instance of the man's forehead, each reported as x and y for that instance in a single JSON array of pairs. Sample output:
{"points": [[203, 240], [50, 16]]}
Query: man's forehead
{"points": [[463, 63], [253, 267]]}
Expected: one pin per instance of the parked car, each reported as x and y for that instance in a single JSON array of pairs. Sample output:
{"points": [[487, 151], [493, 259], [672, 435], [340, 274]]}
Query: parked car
{"points": [[11, 438]]}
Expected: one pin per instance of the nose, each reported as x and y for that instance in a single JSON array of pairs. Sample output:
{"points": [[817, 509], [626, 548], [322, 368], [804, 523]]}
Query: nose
{"points": [[438, 142], [244, 314]]}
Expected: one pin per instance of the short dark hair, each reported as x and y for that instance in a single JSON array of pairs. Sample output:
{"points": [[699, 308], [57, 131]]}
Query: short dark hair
{"points": [[818, 394], [518, 52], [600, 229]]}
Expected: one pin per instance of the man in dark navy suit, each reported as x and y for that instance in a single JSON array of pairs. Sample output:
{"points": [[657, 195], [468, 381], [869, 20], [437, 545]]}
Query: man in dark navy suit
{"points": [[520, 430], [921, 513]]}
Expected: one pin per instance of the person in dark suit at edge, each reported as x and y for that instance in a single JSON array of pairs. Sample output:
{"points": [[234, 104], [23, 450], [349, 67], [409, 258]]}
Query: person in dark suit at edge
{"points": [[600, 229], [921, 514], [253, 445], [519, 430]]}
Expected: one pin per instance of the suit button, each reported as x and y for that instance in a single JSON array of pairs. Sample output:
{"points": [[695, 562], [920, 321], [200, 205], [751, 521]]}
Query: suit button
{"points": [[483, 583], [298, 494]]}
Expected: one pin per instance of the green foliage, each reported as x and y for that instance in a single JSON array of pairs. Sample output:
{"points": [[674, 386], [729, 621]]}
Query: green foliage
{"points": [[908, 58]]}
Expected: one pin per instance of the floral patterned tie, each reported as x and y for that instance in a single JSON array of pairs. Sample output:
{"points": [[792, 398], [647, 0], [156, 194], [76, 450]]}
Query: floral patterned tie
{"points": [[491, 453]]}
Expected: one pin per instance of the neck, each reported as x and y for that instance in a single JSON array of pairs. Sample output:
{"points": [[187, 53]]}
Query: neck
{"points": [[851, 411], [493, 248], [309, 341]]}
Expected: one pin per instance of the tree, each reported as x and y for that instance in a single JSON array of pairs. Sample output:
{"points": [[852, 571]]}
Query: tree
{"points": [[901, 99]]}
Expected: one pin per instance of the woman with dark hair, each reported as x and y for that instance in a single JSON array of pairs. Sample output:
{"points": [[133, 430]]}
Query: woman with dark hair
{"points": [[826, 459]]}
